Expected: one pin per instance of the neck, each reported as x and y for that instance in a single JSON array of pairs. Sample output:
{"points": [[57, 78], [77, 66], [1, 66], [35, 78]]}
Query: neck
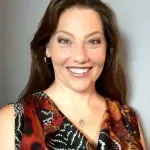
{"points": [[72, 97]]}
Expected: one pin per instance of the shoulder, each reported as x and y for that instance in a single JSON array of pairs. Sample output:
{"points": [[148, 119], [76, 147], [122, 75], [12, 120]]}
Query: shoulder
{"points": [[7, 119], [133, 118], [123, 108], [11, 122], [124, 111], [126, 114], [129, 118], [7, 113]]}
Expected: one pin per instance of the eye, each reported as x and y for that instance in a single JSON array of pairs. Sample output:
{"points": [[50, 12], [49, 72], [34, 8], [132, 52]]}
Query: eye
{"points": [[95, 41], [64, 41]]}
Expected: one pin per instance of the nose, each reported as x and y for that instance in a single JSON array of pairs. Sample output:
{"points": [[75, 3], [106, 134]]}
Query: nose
{"points": [[80, 55]]}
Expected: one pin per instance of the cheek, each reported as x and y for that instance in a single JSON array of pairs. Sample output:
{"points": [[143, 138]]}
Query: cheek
{"points": [[98, 57], [59, 56]]}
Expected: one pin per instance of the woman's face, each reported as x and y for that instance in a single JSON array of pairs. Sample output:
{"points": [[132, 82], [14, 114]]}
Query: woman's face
{"points": [[78, 49]]}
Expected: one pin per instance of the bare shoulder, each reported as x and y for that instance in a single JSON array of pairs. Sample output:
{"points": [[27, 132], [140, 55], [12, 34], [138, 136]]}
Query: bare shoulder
{"points": [[8, 109], [7, 114], [7, 127]]}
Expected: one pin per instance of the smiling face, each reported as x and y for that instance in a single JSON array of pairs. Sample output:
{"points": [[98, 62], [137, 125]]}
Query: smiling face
{"points": [[78, 49]]}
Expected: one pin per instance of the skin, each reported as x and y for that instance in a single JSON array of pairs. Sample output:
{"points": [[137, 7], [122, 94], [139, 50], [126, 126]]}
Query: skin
{"points": [[73, 47], [83, 48]]}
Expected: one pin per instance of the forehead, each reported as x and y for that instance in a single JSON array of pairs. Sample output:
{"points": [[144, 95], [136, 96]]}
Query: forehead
{"points": [[79, 21]]}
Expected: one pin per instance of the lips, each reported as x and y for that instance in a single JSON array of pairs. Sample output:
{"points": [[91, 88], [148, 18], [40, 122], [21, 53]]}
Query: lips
{"points": [[78, 71]]}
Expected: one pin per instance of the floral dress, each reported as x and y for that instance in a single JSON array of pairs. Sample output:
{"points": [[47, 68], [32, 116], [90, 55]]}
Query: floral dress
{"points": [[39, 125]]}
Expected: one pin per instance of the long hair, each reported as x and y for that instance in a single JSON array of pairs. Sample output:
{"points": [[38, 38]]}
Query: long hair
{"points": [[111, 83]]}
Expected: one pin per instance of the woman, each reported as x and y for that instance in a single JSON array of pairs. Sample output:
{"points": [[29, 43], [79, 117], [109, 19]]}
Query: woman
{"points": [[75, 97]]}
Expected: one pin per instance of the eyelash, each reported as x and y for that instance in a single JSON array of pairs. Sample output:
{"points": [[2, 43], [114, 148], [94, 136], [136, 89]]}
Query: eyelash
{"points": [[61, 39], [98, 41]]}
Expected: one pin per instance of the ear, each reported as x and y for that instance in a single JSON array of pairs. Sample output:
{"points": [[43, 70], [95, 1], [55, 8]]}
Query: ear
{"points": [[47, 51]]}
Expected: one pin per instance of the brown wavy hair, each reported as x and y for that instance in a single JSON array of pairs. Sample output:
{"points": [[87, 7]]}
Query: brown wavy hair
{"points": [[111, 82]]}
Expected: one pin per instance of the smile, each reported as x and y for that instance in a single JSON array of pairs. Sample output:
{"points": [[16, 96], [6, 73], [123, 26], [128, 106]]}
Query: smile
{"points": [[79, 71]]}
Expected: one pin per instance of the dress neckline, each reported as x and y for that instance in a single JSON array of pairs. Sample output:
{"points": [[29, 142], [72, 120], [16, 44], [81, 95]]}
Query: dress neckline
{"points": [[65, 119]]}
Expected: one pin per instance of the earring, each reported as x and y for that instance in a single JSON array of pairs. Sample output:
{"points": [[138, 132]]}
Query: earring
{"points": [[47, 60]]}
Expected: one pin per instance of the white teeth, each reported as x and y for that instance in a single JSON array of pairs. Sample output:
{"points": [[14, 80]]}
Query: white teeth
{"points": [[79, 71]]}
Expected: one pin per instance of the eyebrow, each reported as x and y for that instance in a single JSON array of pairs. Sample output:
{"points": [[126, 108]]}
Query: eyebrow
{"points": [[88, 35]]}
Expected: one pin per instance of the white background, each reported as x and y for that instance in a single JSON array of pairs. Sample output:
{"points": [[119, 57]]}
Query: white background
{"points": [[19, 20]]}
